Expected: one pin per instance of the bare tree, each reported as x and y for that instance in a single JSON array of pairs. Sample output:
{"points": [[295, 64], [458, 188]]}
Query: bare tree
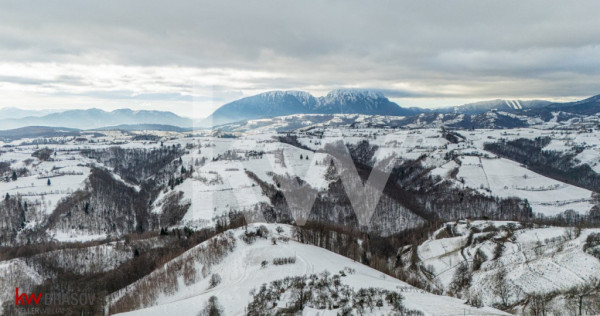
{"points": [[569, 233], [537, 303], [502, 287], [461, 278]]}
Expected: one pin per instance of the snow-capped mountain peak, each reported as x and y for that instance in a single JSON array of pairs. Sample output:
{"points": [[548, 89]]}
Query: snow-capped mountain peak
{"points": [[280, 103], [354, 94], [302, 97]]}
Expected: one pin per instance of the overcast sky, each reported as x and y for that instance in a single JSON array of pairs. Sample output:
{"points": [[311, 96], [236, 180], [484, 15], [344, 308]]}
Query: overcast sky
{"points": [[191, 57]]}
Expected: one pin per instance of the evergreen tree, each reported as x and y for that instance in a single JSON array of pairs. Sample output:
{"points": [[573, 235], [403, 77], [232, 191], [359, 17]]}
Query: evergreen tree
{"points": [[14, 176], [49, 182], [213, 308]]}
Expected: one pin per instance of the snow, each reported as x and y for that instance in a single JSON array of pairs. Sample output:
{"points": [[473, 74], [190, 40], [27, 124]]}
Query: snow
{"points": [[539, 260], [241, 272], [445, 169], [590, 157], [75, 236], [16, 273], [506, 178], [235, 190], [222, 185], [66, 174]]}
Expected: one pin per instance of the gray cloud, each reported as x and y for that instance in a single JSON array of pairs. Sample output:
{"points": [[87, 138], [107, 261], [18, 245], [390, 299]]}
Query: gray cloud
{"points": [[434, 49]]}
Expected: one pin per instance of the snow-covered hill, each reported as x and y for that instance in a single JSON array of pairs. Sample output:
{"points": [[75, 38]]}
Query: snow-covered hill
{"points": [[203, 176], [90, 205], [184, 286], [506, 264]]}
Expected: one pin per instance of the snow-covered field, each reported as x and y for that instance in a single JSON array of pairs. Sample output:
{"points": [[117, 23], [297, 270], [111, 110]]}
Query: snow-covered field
{"points": [[506, 178], [220, 183], [66, 173]]}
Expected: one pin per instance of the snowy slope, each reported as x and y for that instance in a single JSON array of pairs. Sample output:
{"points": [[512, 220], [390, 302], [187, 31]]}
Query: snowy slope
{"points": [[506, 178], [241, 272], [65, 172], [537, 261], [220, 183]]}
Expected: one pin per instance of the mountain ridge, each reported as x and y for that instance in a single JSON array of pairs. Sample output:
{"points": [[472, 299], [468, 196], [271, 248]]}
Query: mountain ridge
{"points": [[17, 113], [283, 103], [96, 118], [280, 103], [512, 105]]}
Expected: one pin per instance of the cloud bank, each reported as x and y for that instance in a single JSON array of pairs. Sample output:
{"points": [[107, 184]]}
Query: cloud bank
{"points": [[192, 56]]}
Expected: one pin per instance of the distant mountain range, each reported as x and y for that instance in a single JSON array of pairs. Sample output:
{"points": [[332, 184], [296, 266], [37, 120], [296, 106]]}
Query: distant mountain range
{"points": [[96, 118], [353, 101], [583, 107], [282, 103], [145, 127], [16, 113], [498, 104]]}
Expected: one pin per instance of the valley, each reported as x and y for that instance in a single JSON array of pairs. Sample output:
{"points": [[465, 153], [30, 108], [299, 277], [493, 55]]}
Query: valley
{"points": [[473, 212], [112, 196]]}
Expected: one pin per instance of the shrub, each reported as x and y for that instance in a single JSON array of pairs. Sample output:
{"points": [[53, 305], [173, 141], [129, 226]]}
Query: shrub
{"points": [[215, 280], [592, 245], [43, 154], [479, 258], [461, 279], [498, 250], [475, 301]]}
